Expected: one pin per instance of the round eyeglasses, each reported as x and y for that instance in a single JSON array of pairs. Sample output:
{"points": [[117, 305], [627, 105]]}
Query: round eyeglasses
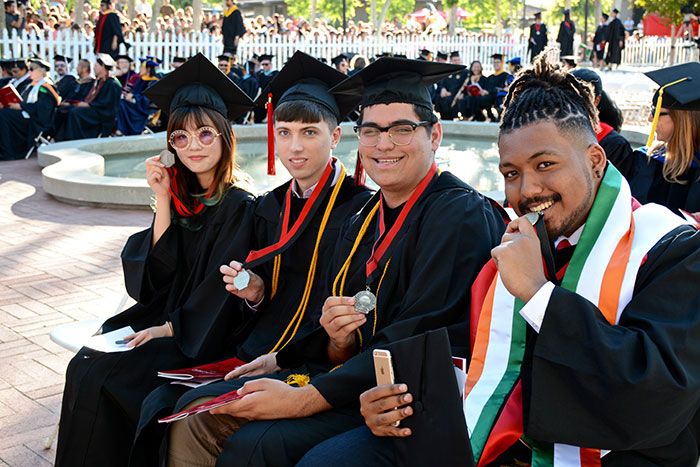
{"points": [[182, 139], [401, 134]]}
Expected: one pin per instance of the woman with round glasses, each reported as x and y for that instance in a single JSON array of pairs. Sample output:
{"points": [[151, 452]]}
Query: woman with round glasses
{"points": [[183, 315], [667, 172]]}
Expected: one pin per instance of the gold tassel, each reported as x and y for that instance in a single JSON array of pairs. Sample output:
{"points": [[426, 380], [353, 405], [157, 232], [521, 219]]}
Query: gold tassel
{"points": [[298, 380], [657, 111]]}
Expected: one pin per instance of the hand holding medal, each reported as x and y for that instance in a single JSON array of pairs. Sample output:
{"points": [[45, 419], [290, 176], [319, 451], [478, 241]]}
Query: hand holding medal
{"points": [[341, 319], [242, 282], [157, 175]]}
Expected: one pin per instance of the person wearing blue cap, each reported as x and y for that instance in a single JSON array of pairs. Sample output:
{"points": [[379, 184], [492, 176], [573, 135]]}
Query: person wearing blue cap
{"points": [[135, 108]]}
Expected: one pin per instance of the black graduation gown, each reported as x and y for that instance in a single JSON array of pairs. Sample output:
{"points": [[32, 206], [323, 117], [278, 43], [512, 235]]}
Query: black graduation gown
{"points": [[65, 86], [425, 287], [601, 35], [263, 81], [646, 179], [231, 28], [633, 388], [108, 26], [616, 33], [469, 106], [178, 280], [267, 325], [17, 133], [452, 83], [26, 82], [99, 118], [133, 116], [616, 147], [566, 37], [538, 40]]}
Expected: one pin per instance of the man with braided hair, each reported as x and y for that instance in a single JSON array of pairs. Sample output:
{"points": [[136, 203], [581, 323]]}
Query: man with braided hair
{"points": [[585, 361]]}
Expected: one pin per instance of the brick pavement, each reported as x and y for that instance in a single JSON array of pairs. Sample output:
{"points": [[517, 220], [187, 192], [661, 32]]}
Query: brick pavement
{"points": [[58, 263]]}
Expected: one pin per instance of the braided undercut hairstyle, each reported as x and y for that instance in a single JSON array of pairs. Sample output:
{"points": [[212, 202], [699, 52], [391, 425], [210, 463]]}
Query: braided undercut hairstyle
{"points": [[545, 91]]}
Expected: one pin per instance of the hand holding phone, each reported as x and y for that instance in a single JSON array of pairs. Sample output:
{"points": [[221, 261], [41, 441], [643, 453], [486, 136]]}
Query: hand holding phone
{"points": [[384, 370]]}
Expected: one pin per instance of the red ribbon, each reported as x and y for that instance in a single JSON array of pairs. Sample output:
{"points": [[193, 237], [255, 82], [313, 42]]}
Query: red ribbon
{"points": [[379, 250], [180, 206], [605, 130], [270, 138]]}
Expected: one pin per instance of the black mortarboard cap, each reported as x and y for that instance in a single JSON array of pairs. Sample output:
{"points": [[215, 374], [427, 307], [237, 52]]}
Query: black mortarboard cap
{"points": [[125, 57], [322, 60], [442, 55], [566, 12], [198, 83], [307, 79], [538, 15], [224, 57], [684, 95], [498, 56], [454, 54], [20, 62], [424, 364], [265, 57], [179, 60], [338, 58], [391, 79], [425, 53], [615, 10], [62, 58], [605, 15]]}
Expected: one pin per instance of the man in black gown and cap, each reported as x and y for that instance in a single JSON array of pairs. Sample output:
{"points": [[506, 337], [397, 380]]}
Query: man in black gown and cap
{"points": [[538, 37], [108, 31], [403, 251], [65, 81], [232, 28], [616, 40], [565, 37]]}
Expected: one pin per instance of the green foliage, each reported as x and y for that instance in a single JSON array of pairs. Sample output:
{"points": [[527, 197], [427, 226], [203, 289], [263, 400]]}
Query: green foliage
{"points": [[668, 9], [299, 8], [555, 15], [332, 10], [399, 8]]}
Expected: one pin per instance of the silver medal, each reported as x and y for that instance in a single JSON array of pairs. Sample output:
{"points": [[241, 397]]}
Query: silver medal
{"points": [[241, 280], [167, 158], [365, 301], [533, 217]]}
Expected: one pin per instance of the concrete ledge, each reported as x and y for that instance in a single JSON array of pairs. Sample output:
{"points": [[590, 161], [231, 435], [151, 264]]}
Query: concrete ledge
{"points": [[74, 170]]}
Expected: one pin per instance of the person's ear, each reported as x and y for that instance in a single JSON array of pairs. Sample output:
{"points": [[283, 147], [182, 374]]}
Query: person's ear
{"points": [[335, 137], [436, 136], [597, 160]]}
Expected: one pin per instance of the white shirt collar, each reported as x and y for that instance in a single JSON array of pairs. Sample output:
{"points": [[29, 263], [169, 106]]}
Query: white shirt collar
{"points": [[307, 193], [572, 239]]}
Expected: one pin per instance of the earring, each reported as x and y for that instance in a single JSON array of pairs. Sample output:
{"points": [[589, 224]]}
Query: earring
{"points": [[597, 173]]}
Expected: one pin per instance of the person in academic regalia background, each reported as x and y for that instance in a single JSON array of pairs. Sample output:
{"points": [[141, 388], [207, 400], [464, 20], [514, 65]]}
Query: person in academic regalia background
{"points": [[448, 98], [65, 83], [668, 172], [616, 41], [249, 85], [134, 107], [495, 84], [264, 77], [590, 366], [183, 312], [476, 87], [97, 113], [417, 274], [599, 40], [108, 31], [538, 37], [5, 71], [340, 62], [565, 37], [617, 148], [232, 28], [21, 123], [124, 71], [306, 117], [21, 78]]}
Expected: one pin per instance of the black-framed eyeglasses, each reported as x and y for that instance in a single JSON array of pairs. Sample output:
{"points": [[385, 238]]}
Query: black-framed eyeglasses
{"points": [[661, 114], [401, 134]]}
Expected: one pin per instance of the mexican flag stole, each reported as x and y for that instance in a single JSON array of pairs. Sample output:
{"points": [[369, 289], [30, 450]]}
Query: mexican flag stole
{"points": [[603, 269]]}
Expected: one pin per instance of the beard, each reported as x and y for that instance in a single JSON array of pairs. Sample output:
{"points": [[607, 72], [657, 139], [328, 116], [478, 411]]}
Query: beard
{"points": [[577, 217]]}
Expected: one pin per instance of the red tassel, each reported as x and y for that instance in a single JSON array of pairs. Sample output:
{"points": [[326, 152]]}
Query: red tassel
{"points": [[270, 138], [360, 176]]}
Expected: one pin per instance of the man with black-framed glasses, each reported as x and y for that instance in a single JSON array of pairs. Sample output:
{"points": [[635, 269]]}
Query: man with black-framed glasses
{"points": [[410, 253], [65, 81]]}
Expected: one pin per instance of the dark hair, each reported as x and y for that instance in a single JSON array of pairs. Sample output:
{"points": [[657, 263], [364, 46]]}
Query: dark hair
{"points": [[608, 112], [304, 112], [545, 91], [472, 64], [226, 173]]}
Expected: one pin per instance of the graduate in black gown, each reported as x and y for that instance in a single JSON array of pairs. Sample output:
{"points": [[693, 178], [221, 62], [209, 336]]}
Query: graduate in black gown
{"points": [[538, 37], [124, 71], [97, 113], [668, 172], [264, 77], [475, 88], [135, 108], [565, 37], [495, 84], [607, 364], [599, 39], [617, 148], [20, 75], [21, 123], [448, 91], [65, 81], [405, 249], [108, 31], [232, 28], [183, 312], [307, 113], [616, 40]]}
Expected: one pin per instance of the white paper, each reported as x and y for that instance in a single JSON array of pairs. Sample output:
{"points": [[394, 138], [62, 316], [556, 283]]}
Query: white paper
{"points": [[108, 342], [461, 381], [198, 383]]}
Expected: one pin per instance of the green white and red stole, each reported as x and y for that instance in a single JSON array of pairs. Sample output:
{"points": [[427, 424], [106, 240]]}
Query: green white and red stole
{"points": [[603, 269]]}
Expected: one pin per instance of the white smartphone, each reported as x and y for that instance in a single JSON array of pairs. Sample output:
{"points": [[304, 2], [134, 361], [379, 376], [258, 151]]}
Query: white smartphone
{"points": [[384, 369]]}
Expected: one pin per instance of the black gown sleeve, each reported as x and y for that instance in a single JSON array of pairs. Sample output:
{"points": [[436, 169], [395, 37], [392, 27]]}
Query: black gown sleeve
{"points": [[436, 271], [632, 386], [617, 149], [42, 111]]}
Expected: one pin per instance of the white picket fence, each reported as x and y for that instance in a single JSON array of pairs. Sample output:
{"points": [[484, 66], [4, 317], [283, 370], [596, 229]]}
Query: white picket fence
{"points": [[648, 52]]}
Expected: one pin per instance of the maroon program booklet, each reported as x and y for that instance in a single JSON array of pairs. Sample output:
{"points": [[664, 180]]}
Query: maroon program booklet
{"points": [[9, 95], [210, 371], [216, 402]]}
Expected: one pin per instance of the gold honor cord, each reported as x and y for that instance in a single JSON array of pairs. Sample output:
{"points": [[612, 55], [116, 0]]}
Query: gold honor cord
{"points": [[275, 275], [657, 111], [343, 273], [299, 315]]}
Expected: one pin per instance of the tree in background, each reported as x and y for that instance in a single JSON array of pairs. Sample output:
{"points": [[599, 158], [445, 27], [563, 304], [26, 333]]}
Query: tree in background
{"points": [[332, 9], [670, 10], [388, 9]]}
